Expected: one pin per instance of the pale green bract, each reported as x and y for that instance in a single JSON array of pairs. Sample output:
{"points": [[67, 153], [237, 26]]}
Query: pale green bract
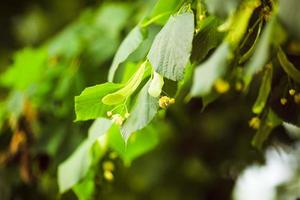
{"points": [[121, 95], [171, 49]]}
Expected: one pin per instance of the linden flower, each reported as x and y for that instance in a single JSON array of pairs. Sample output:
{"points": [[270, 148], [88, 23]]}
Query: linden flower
{"points": [[117, 119], [127, 115], [108, 175], [108, 166], [165, 102], [283, 101], [292, 92], [238, 86], [297, 98], [254, 123], [221, 86], [109, 114]]}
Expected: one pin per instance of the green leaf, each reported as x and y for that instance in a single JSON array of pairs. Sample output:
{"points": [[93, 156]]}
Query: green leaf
{"points": [[172, 46], [261, 54], [264, 91], [88, 104], [129, 45], [206, 39], [266, 127], [121, 95], [143, 111], [287, 66], [75, 167], [289, 16], [162, 7], [85, 189], [78, 164], [139, 143], [207, 73], [28, 69], [98, 128], [222, 8]]}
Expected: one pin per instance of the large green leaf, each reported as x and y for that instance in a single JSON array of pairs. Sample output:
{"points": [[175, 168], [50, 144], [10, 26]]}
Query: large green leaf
{"points": [[129, 45], [88, 104], [78, 164], [207, 73], [139, 143], [172, 46], [261, 54], [141, 114]]}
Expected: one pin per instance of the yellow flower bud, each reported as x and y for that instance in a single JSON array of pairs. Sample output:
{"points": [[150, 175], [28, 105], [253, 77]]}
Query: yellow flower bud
{"points": [[108, 166], [297, 98], [163, 102], [108, 175], [238, 86], [113, 155], [254, 123], [172, 101], [292, 92], [127, 115], [221, 86], [117, 119], [109, 114], [283, 101]]}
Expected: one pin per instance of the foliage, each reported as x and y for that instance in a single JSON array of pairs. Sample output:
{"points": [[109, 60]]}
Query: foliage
{"points": [[177, 52]]}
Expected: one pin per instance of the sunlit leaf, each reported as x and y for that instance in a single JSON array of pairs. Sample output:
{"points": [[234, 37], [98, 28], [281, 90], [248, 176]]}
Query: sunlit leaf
{"points": [[88, 104], [85, 189], [165, 8], [172, 46], [28, 68]]}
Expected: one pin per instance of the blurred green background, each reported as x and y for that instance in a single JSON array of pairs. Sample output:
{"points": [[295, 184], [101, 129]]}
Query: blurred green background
{"points": [[50, 50]]}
